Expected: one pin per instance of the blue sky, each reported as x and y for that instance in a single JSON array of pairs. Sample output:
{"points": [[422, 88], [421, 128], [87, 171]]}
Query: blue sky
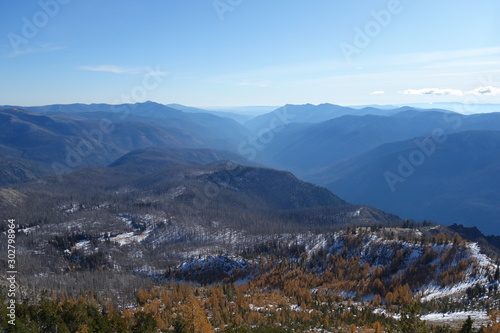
{"points": [[249, 52]]}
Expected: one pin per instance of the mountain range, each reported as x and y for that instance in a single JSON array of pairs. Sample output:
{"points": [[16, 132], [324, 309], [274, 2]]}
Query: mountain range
{"points": [[142, 215], [453, 181], [350, 155], [304, 148], [354, 152]]}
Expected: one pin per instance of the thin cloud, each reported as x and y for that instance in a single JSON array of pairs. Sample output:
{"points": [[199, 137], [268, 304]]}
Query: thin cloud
{"points": [[480, 91], [485, 91], [433, 91], [109, 69], [40, 49], [377, 92]]}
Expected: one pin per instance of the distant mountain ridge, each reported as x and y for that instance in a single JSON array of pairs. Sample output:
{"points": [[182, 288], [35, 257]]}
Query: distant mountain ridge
{"points": [[241, 118], [455, 181], [147, 160], [306, 148], [64, 137], [310, 114], [48, 139], [169, 110]]}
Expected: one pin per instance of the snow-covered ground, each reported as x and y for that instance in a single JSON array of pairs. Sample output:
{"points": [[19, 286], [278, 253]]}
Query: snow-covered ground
{"points": [[457, 318], [434, 291], [454, 319], [29, 230], [373, 248], [124, 238], [130, 237]]}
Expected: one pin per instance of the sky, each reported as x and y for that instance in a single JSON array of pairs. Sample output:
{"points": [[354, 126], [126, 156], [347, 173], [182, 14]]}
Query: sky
{"points": [[249, 52]]}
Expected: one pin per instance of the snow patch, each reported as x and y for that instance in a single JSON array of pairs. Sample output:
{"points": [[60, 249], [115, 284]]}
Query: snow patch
{"points": [[479, 317]]}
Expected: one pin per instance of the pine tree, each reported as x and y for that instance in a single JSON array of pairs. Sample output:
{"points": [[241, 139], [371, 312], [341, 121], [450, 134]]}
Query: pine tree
{"points": [[179, 325], [467, 326], [144, 323], [410, 320]]}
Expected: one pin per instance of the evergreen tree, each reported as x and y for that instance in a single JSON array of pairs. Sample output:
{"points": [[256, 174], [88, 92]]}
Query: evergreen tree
{"points": [[410, 320], [179, 325], [467, 326], [144, 323]]}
